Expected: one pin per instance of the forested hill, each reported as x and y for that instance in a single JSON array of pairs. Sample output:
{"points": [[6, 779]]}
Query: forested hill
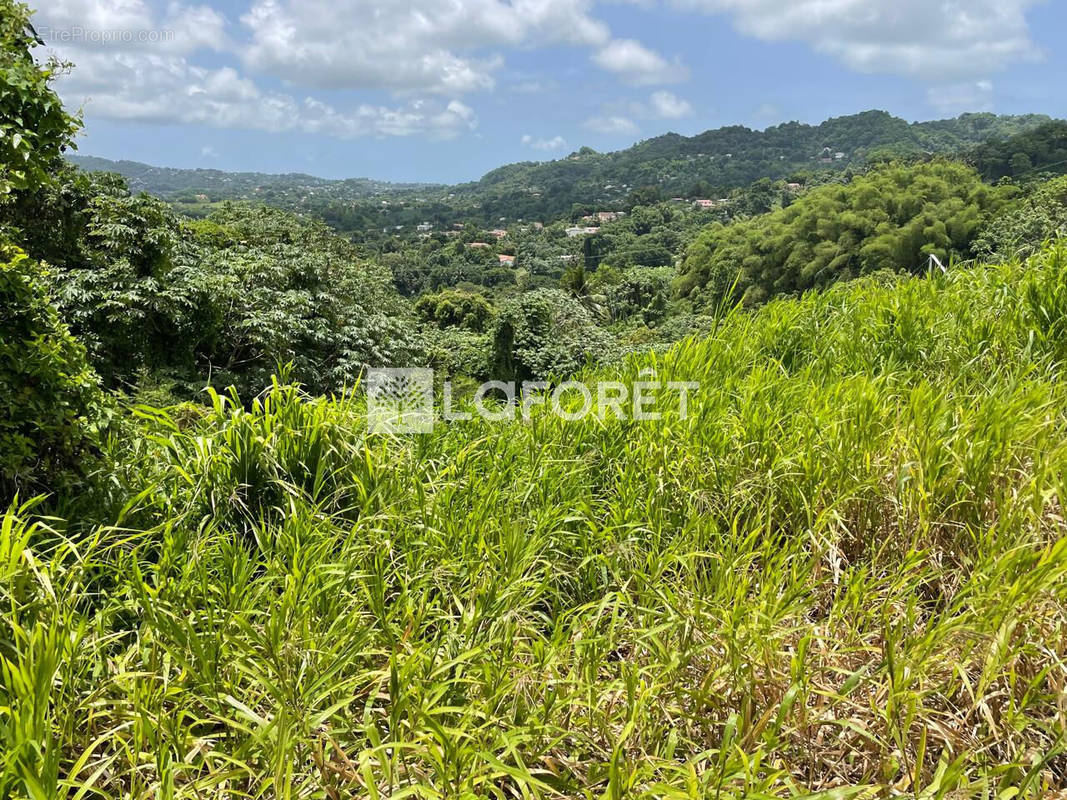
{"points": [[719, 160], [171, 182], [706, 165]]}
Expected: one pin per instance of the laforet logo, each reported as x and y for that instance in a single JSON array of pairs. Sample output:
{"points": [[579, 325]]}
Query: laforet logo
{"points": [[402, 400]]}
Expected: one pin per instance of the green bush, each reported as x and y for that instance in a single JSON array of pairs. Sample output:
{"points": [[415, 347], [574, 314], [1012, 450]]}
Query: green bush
{"points": [[547, 333], [1022, 230], [455, 309], [893, 218], [34, 128], [52, 410]]}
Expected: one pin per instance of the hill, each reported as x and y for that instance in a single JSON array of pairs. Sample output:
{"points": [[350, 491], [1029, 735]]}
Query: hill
{"points": [[705, 165], [715, 161], [174, 183]]}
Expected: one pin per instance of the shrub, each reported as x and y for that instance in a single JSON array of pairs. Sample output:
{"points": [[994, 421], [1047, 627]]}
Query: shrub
{"points": [[34, 129], [893, 218], [547, 333], [52, 410], [455, 309], [1023, 230]]}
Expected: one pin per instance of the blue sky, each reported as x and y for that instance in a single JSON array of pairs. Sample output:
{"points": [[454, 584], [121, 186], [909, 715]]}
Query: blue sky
{"points": [[445, 90]]}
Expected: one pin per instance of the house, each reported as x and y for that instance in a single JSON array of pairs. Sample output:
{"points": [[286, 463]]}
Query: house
{"points": [[580, 231], [499, 233], [704, 203], [478, 244], [425, 227], [506, 261]]}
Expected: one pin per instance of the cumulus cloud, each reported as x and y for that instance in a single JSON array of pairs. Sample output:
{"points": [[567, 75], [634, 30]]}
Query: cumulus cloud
{"points": [[611, 124], [638, 65], [418, 45], [144, 60], [144, 87], [130, 25], [555, 143], [926, 39], [153, 78], [665, 105]]}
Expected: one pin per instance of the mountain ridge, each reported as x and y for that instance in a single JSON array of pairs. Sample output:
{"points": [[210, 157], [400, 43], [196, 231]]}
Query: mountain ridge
{"points": [[708, 164]]}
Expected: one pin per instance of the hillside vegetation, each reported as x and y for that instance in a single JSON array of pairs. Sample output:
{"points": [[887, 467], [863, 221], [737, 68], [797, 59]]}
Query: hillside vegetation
{"points": [[845, 568], [842, 573], [707, 164], [892, 218]]}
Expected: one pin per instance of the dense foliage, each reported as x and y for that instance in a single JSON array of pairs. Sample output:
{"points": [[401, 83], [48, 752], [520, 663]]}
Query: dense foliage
{"points": [[844, 574], [184, 184], [225, 300], [1043, 149], [34, 128], [456, 309], [894, 218], [52, 411], [1025, 227], [546, 334], [719, 160], [709, 164], [286, 290]]}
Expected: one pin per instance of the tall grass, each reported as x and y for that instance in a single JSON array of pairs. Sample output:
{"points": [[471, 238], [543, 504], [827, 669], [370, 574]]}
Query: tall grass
{"points": [[843, 575]]}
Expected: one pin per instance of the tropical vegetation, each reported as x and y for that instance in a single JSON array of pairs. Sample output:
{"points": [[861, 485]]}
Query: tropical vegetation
{"points": [[838, 570]]}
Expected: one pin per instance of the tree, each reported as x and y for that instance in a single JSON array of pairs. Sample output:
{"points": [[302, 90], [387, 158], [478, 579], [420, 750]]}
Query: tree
{"points": [[644, 196], [1022, 229], [1021, 163], [455, 309], [1043, 148], [34, 128], [544, 334], [52, 411], [892, 218]]}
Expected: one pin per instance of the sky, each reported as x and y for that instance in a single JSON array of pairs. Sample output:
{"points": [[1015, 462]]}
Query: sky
{"points": [[446, 90]]}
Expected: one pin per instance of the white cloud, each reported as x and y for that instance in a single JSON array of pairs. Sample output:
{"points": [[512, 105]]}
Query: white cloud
{"points": [[619, 115], [638, 65], [555, 143], [927, 39], [959, 97], [418, 45], [144, 87], [142, 60], [207, 151], [150, 78], [665, 105], [129, 25], [611, 124]]}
